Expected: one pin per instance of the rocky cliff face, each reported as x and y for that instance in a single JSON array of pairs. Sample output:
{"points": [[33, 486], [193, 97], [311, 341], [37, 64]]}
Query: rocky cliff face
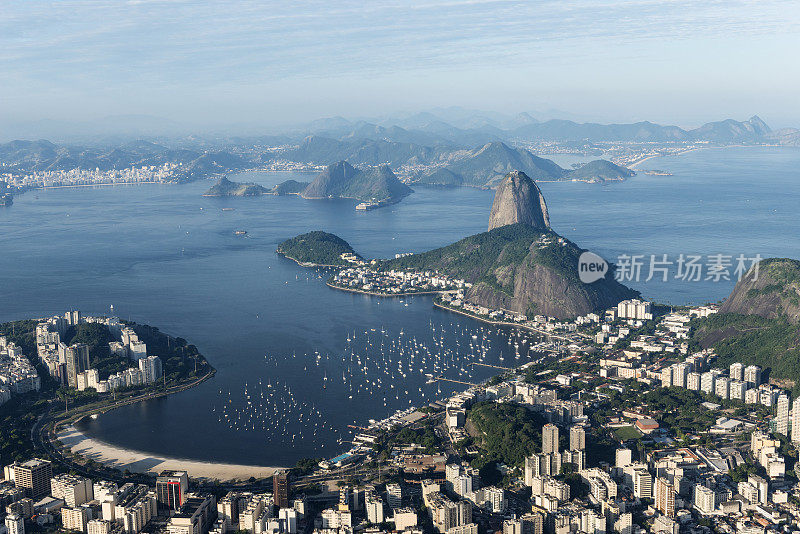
{"points": [[519, 200], [522, 269], [543, 290], [771, 291]]}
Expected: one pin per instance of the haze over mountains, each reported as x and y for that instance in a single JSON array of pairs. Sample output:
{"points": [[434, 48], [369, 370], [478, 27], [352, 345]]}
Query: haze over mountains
{"points": [[42, 155], [428, 129], [474, 148]]}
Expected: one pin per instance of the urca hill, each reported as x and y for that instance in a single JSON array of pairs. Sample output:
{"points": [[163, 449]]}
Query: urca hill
{"points": [[520, 264]]}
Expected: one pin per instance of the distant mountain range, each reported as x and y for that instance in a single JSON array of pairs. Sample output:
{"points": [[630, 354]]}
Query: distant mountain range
{"points": [[429, 130], [474, 149]]}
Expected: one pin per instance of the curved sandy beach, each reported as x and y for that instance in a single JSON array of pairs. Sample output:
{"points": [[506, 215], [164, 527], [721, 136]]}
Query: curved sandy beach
{"points": [[142, 462]]}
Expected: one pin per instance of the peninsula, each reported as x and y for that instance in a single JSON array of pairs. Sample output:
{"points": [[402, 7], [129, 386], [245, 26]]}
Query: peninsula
{"points": [[318, 249], [519, 268]]}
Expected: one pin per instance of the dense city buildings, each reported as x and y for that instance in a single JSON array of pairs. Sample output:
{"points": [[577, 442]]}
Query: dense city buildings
{"points": [[727, 467]]}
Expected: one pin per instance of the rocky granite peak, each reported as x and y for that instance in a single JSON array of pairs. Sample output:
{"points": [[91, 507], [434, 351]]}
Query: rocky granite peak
{"points": [[519, 200]]}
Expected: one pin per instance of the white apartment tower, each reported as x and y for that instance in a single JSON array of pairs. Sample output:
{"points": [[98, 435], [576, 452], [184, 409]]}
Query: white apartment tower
{"points": [[782, 415], [752, 375], [549, 438], [737, 371], [577, 438], [796, 420]]}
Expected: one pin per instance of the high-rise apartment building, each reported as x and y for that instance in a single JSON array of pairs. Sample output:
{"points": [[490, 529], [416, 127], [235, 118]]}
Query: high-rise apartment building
{"points": [[76, 519], [171, 487], [280, 489], [577, 438], [752, 375], [796, 420], [736, 371], [704, 499], [549, 438], [782, 416], [72, 489], [77, 361], [665, 497], [151, 369], [15, 524], [34, 477]]}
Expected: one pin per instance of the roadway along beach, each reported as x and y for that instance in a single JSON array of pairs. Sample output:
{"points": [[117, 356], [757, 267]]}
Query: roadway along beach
{"points": [[141, 462]]}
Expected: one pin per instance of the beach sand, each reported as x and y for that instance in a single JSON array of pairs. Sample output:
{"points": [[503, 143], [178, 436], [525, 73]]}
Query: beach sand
{"points": [[141, 462]]}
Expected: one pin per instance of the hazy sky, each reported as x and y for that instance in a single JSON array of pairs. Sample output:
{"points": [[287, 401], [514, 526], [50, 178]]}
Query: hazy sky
{"points": [[214, 62]]}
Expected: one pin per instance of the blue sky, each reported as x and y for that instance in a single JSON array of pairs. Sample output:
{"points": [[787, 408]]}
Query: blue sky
{"points": [[272, 63]]}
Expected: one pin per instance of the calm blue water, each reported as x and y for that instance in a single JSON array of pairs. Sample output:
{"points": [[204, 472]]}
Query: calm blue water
{"points": [[290, 351]]}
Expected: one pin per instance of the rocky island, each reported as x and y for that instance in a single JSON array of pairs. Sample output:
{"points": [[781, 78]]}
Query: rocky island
{"points": [[226, 188], [599, 170], [289, 187], [371, 184]]}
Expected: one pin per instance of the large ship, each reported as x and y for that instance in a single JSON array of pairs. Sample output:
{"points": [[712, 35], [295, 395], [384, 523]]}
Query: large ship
{"points": [[373, 204]]}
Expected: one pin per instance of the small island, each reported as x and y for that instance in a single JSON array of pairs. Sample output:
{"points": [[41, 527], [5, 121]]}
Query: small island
{"points": [[319, 249], [373, 186], [289, 187], [226, 188], [599, 171]]}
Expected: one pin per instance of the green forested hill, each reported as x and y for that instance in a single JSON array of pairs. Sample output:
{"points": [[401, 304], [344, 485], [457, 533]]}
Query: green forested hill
{"points": [[522, 269], [317, 248]]}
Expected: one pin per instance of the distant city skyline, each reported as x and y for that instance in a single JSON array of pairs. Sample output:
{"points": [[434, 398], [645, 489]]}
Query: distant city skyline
{"points": [[269, 65]]}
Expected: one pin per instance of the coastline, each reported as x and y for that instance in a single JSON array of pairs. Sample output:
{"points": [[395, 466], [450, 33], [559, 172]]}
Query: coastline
{"points": [[499, 323], [696, 149], [308, 263], [375, 294], [142, 462], [74, 186]]}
